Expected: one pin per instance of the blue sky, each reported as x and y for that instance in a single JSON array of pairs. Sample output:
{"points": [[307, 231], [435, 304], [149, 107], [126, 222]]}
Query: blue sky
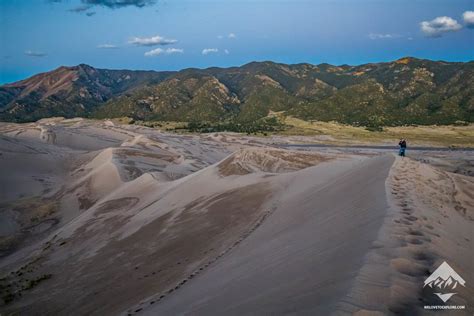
{"points": [[40, 35]]}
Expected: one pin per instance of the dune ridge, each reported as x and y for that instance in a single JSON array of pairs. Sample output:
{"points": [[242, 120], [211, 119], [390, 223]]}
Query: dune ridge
{"points": [[423, 229]]}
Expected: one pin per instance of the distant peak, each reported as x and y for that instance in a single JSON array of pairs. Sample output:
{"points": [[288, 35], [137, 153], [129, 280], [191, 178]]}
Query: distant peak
{"points": [[85, 67], [405, 60], [77, 67], [259, 64]]}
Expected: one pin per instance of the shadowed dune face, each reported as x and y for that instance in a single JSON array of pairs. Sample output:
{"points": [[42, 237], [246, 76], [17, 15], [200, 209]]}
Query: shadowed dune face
{"points": [[149, 262], [159, 223]]}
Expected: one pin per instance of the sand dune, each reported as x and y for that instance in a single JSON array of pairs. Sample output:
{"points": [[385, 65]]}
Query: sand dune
{"points": [[106, 219], [296, 262]]}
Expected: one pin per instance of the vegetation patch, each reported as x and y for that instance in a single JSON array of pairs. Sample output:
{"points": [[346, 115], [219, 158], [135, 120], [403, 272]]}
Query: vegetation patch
{"points": [[446, 136]]}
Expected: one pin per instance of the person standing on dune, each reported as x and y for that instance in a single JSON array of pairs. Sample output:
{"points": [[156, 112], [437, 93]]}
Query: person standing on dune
{"points": [[403, 147]]}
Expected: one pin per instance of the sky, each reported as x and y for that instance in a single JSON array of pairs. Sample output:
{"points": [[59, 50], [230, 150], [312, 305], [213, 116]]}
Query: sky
{"points": [[41, 35]]}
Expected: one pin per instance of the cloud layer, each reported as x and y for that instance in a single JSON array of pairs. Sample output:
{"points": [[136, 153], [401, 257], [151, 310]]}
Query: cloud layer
{"points": [[114, 4], [34, 53], [207, 51], [151, 41], [81, 8], [160, 51], [440, 25], [375, 36], [107, 46], [230, 35]]}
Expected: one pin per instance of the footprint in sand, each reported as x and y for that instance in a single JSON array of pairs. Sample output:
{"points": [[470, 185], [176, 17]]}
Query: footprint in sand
{"points": [[411, 218], [405, 222], [403, 204], [414, 241], [415, 233], [426, 257], [408, 267]]}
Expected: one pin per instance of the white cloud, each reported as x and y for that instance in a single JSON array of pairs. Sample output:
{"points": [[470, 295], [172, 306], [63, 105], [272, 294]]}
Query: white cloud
{"points": [[174, 51], [468, 18], [34, 53], [439, 25], [160, 51], [230, 35], [376, 36], [206, 51], [154, 52], [107, 46], [151, 41]]}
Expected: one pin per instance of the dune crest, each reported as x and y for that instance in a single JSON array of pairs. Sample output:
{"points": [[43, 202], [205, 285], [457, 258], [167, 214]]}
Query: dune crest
{"points": [[251, 160]]}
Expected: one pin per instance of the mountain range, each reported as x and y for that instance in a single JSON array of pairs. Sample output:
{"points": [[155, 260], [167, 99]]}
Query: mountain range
{"points": [[405, 91], [444, 276], [441, 283]]}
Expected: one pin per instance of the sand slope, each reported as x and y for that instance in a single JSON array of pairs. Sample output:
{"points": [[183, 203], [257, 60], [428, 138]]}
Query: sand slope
{"points": [[296, 262]]}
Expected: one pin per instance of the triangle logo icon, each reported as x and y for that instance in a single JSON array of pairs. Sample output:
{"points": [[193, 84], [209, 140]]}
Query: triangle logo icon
{"points": [[444, 278], [445, 297]]}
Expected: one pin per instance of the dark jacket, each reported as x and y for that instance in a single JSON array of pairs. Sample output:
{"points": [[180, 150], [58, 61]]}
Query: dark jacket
{"points": [[402, 144]]}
